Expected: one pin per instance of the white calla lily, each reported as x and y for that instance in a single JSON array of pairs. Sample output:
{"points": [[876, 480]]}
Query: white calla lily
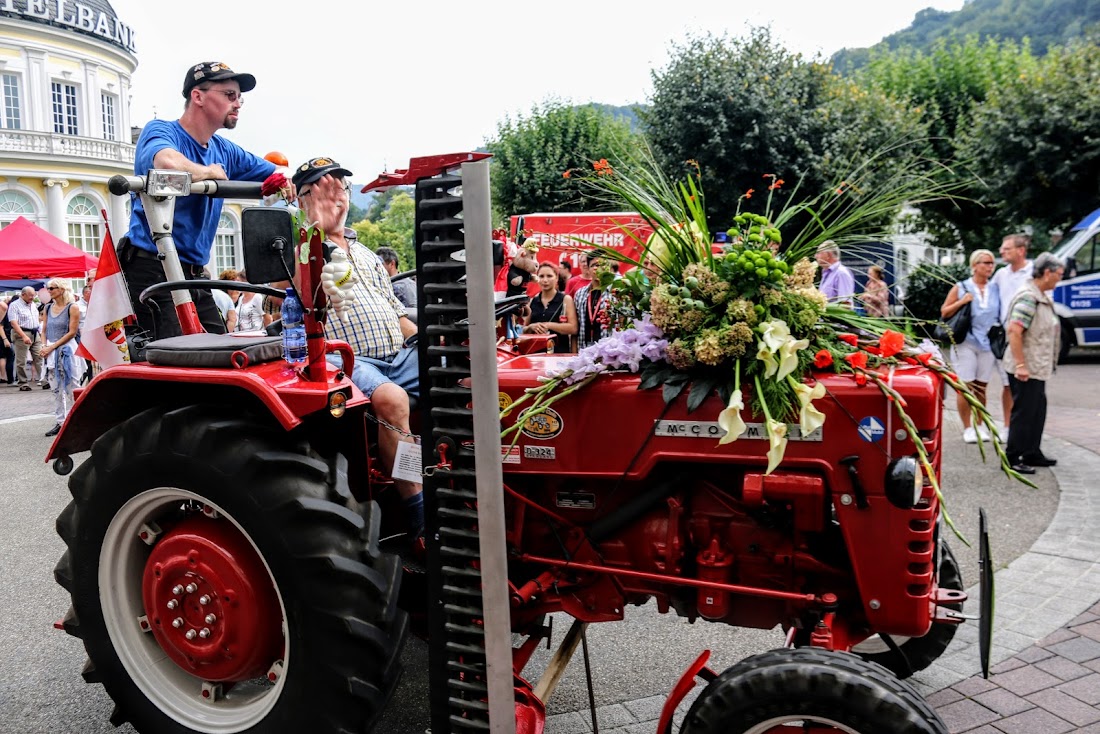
{"points": [[788, 356], [730, 419], [766, 356], [775, 334], [777, 437], [809, 417]]}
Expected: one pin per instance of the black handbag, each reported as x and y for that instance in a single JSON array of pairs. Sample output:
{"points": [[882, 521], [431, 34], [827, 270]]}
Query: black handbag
{"points": [[955, 329], [998, 340]]}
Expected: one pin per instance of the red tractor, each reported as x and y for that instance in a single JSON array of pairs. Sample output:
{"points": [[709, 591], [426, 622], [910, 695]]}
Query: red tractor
{"points": [[223, 539]]}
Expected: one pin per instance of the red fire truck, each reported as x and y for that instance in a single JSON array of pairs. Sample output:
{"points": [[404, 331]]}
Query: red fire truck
{"points": [[566, 235]]}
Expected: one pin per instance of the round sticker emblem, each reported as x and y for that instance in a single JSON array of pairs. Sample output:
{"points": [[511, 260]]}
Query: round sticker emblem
{"points": [[871, 429], [544, 425], [505, 400]]}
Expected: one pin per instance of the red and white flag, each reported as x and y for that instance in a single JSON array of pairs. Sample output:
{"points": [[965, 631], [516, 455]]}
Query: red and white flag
{"points": [[103, 338]]}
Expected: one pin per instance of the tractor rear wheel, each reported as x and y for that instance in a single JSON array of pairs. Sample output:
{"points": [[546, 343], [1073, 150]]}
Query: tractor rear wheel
{"points": [[809, 690], [919, 652], [223, 580]]}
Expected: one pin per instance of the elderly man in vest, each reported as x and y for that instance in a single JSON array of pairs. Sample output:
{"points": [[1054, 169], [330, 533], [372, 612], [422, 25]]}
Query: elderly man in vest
{"points": [[1033, 341]]}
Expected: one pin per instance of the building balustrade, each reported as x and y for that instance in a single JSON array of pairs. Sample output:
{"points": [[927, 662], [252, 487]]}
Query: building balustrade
{"points": [[38, 143]]}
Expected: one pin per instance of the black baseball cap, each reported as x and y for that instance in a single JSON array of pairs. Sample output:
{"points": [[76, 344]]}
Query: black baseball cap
{"points": [[215, 71], [316, 168]]}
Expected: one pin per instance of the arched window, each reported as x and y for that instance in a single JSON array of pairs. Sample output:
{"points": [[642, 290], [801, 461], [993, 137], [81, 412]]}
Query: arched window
{"points": [[84, 229], [13, 205], [225, 246], [84, 224]]}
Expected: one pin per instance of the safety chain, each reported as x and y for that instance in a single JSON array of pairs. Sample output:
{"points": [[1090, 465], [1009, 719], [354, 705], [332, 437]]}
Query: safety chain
{"points": [[395, 429]]}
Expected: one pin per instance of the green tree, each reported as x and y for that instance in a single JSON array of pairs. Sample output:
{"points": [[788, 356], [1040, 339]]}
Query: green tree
{"points": [[1035, 140], [943, 87], [746, 108], [532, 154], [394, 228]]}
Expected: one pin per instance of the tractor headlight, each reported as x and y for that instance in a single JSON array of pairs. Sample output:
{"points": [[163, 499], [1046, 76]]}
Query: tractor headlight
{"points": [[904, 482], [168, 183], [337, 404]]}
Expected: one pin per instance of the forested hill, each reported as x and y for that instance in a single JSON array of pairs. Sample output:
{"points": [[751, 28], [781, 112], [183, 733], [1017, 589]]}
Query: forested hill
{"points": [[1045, 22]]}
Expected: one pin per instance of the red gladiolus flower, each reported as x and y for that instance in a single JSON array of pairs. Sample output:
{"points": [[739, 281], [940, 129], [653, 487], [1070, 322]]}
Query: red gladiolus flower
{"points": [[857, 359], [748, 194], [925, 358], [861, 379], [849, 339], [891, 342], [871, 349], [823, 359]]}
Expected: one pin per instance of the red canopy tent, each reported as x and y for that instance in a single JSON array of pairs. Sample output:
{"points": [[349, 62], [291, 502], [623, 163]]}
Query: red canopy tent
{"points": [[29, 252]]}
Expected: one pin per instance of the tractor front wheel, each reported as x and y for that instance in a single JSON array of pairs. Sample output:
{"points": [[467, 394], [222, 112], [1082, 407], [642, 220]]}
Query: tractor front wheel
{"points": [[794, 691], [223, 580]]}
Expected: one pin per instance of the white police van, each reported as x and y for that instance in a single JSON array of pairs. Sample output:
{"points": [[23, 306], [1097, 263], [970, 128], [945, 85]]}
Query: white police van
{"points": [[1077, 297]]}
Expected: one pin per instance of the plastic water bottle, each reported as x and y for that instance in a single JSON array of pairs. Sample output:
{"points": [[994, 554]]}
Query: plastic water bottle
{"points": [[294, 330]]}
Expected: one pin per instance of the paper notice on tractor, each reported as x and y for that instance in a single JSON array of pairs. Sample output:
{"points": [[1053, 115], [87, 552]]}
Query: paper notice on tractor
{"points": [[407, 464]]}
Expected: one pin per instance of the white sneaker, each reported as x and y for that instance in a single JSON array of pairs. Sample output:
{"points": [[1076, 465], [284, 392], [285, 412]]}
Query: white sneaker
{"points": [[970, 435], [983, 433]]}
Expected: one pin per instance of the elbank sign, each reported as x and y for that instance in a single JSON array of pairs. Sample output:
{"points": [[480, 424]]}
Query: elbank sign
{"points": [[76, 15]]}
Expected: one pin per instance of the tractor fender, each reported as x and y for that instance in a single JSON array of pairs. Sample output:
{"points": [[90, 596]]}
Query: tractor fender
{"points": [[121, 392]]}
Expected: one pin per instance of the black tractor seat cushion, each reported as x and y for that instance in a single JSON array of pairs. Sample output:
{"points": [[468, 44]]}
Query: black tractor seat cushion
{"points": [[214, 350]]}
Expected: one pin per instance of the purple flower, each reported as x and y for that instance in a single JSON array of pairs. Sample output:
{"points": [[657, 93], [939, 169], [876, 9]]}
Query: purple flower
{"points": [[623, 349]]}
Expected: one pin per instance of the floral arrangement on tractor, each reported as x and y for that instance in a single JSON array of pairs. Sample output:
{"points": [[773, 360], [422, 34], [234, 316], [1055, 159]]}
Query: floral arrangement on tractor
{"points": [[746, 319]]}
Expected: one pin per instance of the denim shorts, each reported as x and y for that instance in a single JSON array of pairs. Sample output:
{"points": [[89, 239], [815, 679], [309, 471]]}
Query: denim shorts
{"points": [[403, 369]]}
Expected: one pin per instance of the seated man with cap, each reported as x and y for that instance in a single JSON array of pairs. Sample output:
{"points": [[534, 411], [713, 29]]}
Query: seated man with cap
{"points": [[387, 368], [213, 95]]}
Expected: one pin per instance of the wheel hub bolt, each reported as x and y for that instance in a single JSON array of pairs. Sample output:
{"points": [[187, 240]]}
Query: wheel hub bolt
{"points": [[192, 588], [177, 589], [173, 603], [211, 619], [204, 599], [204, 633], [177, 622], [190, 634]]}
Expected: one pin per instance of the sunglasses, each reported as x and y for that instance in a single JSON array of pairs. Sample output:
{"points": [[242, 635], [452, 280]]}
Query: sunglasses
{"points": [[53, 288], [230, 94]]}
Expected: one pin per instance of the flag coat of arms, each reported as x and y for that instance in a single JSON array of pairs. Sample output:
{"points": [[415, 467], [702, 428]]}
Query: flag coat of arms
{"points": [[103, 338]]}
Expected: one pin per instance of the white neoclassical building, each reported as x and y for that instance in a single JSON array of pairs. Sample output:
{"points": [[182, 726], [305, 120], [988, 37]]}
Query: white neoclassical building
{"points": [[65, 125]]}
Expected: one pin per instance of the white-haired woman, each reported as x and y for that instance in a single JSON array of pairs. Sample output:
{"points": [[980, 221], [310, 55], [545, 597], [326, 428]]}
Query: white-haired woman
{"points": [[973, 358], [60, 322]]}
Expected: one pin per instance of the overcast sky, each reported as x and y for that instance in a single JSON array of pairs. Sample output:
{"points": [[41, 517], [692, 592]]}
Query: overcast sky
{"points": [[373, 84]]}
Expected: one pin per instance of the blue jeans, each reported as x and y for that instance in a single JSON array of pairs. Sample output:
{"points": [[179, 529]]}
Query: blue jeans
{"points": [[403, 369]]}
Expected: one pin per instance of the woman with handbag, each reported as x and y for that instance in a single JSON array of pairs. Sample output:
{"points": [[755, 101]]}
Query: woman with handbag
{"points": [[971, 355]]}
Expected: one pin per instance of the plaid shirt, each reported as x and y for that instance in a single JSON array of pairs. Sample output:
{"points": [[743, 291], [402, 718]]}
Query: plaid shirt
{"points": [[23, 313], [373, 328]]}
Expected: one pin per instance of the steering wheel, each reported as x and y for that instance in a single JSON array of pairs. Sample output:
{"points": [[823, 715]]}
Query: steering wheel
{"points": [[507, 305]]}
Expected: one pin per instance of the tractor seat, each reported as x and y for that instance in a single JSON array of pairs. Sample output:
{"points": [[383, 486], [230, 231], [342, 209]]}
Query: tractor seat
{"points": [[214, 350]]}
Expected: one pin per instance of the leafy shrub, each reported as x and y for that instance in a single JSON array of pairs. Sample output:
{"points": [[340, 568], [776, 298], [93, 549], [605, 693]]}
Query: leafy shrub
{"points": [[927, 288]]}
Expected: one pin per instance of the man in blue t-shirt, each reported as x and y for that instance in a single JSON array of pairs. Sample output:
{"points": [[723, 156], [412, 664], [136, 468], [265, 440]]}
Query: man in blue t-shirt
{"points": [[214, 95]]}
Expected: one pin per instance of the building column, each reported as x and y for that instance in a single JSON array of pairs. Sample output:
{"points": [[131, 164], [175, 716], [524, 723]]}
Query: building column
{"points": [[55, 208]]}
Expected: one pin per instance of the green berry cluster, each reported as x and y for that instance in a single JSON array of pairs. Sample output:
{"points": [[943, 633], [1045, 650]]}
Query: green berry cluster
{"points": [[754, 229], [759, 265]]}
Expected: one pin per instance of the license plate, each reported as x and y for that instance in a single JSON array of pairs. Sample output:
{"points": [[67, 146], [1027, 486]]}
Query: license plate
{"points": [[540, 452]]}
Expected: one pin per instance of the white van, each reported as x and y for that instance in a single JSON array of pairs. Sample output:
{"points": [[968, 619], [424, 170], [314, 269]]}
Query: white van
{"points": [[1077, 297]]}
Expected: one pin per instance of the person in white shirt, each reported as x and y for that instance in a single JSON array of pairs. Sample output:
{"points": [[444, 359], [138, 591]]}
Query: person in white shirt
{"points": [[1015, 273]]}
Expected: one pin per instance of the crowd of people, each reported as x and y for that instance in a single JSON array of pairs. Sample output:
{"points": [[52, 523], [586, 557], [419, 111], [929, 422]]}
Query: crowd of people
{"points": [[40, 337], [39, 334]]}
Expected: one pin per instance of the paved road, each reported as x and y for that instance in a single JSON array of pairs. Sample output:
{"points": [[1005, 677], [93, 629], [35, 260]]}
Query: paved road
{"points": [[634, 663]]}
